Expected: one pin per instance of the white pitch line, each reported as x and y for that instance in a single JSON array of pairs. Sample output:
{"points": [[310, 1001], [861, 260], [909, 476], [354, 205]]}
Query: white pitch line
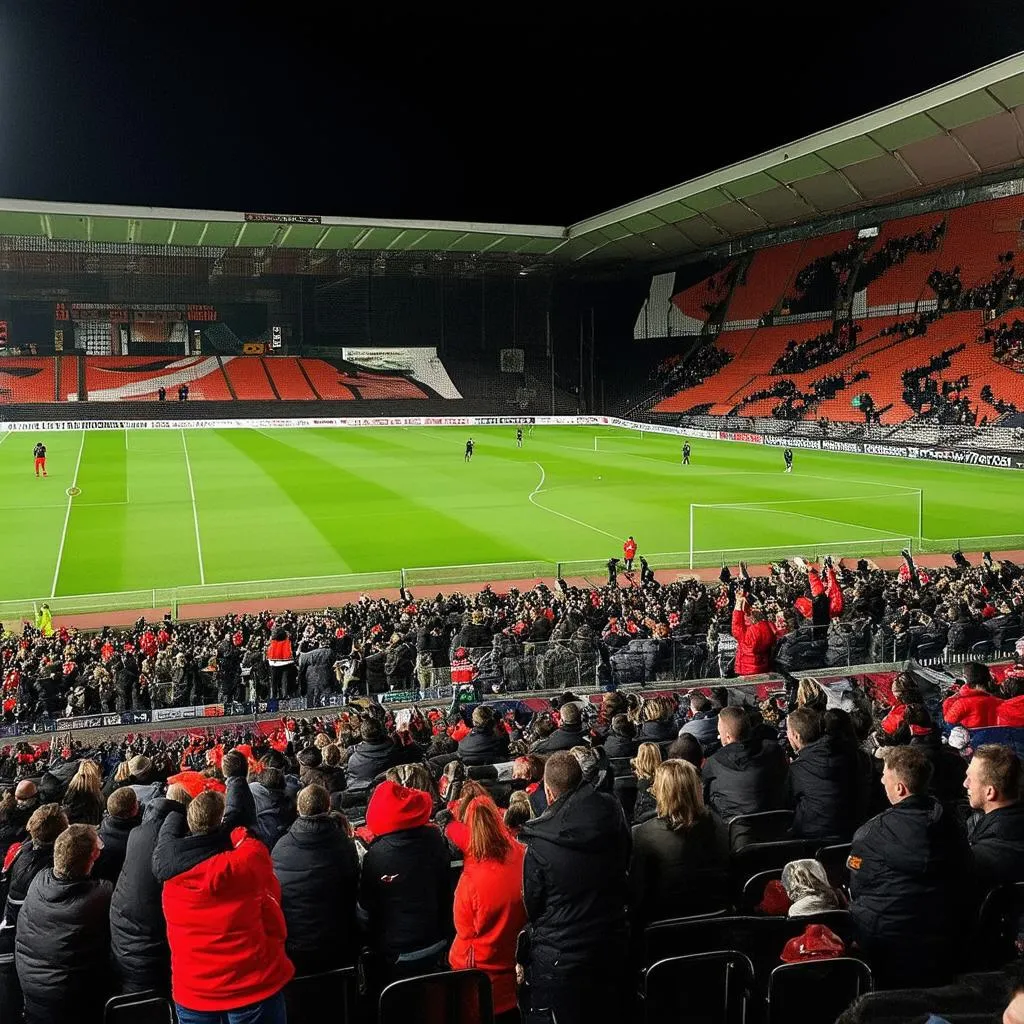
{"points": [[6, 435], [544, 508], [67, 519], [195, 511]]}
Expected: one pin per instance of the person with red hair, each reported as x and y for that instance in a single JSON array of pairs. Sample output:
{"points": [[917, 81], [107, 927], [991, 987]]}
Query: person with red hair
{"points": [[489, 910]]}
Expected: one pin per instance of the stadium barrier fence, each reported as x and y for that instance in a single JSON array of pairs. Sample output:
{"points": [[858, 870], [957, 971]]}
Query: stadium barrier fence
{"points": [[746, 688]]}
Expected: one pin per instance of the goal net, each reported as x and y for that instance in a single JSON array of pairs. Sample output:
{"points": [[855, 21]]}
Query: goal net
{"points": [[853, 526]]}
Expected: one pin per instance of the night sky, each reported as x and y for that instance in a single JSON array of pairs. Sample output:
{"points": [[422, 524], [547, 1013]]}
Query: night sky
{"points": [[536, 120]]}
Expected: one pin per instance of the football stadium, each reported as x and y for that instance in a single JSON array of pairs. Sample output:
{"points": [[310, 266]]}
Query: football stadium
{"points": [[613, 619]]}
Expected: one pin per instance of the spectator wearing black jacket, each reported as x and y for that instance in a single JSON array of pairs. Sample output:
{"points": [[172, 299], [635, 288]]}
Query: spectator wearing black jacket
{"points": [[621, 739], [315, 861], [574, 878], [372, 756], [486, 742], [909, 875], [123, 814], [748, 774], [569, 733], [316, 671], [62, 947], [16, 811], [823, 780], [138, 932], [405, 890], [34, 855], [703, 723], [680, 857], [995, 831]]}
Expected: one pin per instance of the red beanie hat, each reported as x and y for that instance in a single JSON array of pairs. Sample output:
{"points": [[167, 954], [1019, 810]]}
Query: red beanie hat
{"points": [[393, 808], [816, 943]]}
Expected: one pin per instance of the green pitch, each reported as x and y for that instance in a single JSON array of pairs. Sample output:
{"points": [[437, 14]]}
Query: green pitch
{"points": [[169, 509]]}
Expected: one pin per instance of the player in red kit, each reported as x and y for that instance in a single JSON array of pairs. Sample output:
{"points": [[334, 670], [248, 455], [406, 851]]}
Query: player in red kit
{"points": [[40, 453], [629, 553]]}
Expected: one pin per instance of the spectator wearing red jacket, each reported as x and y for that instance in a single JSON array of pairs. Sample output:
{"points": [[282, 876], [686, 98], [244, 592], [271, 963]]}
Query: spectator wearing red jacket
{"points": [[755, 637], [489, 910], [225, 926], [282, 663], [974, 705], [1011, 709], [629, 553]]}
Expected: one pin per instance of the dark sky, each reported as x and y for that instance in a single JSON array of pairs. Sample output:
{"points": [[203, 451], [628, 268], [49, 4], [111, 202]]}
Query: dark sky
{"points": [[535, 120]]}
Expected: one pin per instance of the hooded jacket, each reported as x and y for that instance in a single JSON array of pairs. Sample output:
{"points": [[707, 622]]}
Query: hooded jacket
{"points": [[824, 793], [405, 892], [574, 882], [489, 915], [274, 813], [907, 871], [973, 709], [997, 846], [138, 932], [62, 947], [225, 927], [316, 864], [744, 778], [754, 645], [565, 737]]}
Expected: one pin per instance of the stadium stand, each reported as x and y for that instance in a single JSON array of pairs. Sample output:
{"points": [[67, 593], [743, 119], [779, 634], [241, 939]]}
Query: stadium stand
{"points": [[138, 378], [27, 380], [290, 383], [248, 379]]}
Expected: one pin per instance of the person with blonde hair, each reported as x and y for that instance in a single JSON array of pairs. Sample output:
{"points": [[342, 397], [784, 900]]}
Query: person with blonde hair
{"points": [[646, 762], [84, 801], [680, 857], [489, 911], [520, 811]]}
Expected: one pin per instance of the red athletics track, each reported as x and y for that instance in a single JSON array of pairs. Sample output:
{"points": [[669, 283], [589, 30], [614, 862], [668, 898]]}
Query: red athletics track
{"points": [[96, 620]]}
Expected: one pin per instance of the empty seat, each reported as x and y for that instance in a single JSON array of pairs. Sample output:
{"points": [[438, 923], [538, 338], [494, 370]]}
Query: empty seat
{"points": [[307, 996], [138, 1008], [766, 827], [816, 991], [453, 997], [706, 988]]}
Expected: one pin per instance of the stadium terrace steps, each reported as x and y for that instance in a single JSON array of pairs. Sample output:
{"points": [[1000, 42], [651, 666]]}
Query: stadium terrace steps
{"points": [[906, 281], [138, 378], [325, 380], [763, 283], [976, 235], [248, 379], [287, 379], [710, 291]]}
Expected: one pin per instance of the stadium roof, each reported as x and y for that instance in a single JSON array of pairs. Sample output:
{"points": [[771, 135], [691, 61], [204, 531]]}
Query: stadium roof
{"points": [[953, 133]]}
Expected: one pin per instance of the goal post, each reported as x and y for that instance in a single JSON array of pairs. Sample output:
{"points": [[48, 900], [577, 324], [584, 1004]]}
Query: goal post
{"points": [[625, 434], [852, 525]]}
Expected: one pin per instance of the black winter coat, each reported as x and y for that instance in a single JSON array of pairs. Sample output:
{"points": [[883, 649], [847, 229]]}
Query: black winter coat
{"points": [[824, 791], [802, 649], [676, 873], [565, 737], [997, 846], [908, 867], [745, 778], [12, 825], [317, 866], [114, 832], [574, 881], [62, 948], [483, 746], [316, 671], [659, 731], [405, 891], [138, 932], [368, 760], [619, 746], [28, 862]]}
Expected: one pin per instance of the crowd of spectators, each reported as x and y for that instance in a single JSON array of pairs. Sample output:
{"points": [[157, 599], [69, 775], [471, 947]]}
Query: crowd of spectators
{"points": [[542, 638], [217, 866], [1002, 290], [676, 373], [1007, 341], [939, 401], [912, 328], [894, 251], [837, 341]]}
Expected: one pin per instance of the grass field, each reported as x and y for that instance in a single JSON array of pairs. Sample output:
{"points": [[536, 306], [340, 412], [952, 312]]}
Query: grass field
{"points": [[170, 509]]}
